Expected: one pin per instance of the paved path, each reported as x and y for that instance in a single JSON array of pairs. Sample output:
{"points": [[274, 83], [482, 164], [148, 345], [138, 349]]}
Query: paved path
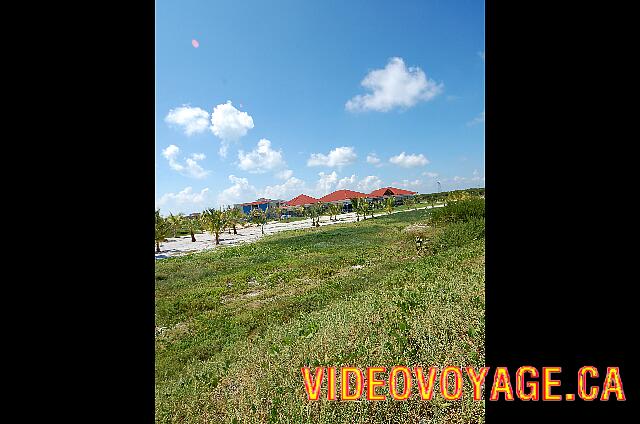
{"points": [[183, 245]]}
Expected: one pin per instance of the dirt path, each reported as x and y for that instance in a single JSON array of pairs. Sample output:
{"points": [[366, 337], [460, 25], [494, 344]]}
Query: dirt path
{"points": [[183, 245]]}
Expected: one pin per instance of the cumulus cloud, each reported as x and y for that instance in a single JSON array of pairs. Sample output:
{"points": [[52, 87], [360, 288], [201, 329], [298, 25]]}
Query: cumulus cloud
{"points": [[409, 161], [346, 182], [229, 124], [395, 86], [285, 191], [338, 157], [326, 182], [369, 183], [373, 159], [238, 192], [184, 200], [190, 168], [430, 174], [285, 174], [192, 119], [262, 159]]}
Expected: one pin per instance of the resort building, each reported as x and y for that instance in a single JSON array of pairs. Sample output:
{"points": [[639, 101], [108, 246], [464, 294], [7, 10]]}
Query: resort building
{"points": [[397, 193], [341, 197], [261, 204], [301, 200]]}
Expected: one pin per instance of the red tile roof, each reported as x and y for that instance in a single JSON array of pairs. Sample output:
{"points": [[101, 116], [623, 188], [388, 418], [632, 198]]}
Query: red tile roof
{"points": [[392, 192], [341, 195], [300, 200]]}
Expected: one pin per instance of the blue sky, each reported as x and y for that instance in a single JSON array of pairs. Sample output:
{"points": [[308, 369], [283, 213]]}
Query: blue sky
{"points": [[289, 97]]}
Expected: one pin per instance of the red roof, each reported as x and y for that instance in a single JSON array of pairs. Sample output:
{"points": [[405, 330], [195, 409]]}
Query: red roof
{"points": [[342, 195], [257, 202], [300, 200], [390, 191]]}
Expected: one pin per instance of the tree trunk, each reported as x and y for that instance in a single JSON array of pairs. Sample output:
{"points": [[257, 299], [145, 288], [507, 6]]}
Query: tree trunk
{"points": [[234, 230], [263, 229], [193, 237], [217, 238], [157, 247]]}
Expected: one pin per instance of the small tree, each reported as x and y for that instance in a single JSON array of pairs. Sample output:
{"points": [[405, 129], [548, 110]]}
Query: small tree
{"points": [[335, 210], [215, 222], [389, 203], [175, 223], [163, 230], [355, 205], [259, 217], [193, 226], [314, 212], [364, 208], [410, 202], [234, 217]]}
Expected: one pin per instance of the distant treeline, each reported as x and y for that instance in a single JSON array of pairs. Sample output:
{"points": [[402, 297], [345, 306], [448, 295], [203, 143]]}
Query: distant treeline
{"points": [[442, 196]]}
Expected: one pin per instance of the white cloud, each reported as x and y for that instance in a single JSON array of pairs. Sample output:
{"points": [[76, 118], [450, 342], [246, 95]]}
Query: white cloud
{"points": [[239, 192], [408, 161], [326, 182], [481, 54], [183, 201], [262, 159], [430, 174], [229, 124], [285, 174], [171, 152], [373, 159], [338, 157], [193, 119], [285, 191], [477, 120], [407, 183], [346, 182], [369, 183], [394, 86], [190, 168]]}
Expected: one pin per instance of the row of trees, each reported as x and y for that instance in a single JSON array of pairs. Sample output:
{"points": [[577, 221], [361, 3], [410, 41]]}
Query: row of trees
{"points": [[216, 221]]}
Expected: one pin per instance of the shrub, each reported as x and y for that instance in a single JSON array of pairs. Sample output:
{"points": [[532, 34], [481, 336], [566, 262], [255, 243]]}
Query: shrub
{"points": [[461, 211], [458, 234]]}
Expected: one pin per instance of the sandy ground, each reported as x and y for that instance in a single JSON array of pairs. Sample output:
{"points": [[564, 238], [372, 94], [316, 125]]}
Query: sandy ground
{"points": [[183, 245]]}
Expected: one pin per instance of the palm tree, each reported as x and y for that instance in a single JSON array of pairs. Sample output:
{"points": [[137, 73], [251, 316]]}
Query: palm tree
{"points": [[277, 213], [314, 213], [175, 222], [389, 202], [410, 202], [335, 209], [234, 217], [355, 205], [162, 230], [364, 208], [215, 222], [259, 217], [193, 225]]}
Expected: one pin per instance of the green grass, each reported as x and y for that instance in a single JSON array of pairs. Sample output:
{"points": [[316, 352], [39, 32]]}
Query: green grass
{"points": [[237, 323]]}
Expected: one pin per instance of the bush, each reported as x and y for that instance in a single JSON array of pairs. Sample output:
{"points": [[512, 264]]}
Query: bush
{"points": [[461, 211], [458, 234]]}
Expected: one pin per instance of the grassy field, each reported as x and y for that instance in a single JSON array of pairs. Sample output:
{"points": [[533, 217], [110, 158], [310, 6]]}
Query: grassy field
{"points": [[234, 325]]}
